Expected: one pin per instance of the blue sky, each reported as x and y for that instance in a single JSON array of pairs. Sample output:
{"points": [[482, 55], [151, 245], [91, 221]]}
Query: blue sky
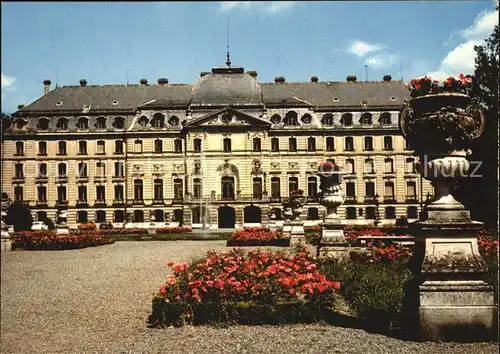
{"points": [[65, 42]]}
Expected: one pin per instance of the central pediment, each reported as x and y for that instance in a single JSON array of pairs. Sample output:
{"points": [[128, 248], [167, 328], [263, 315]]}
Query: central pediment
{"points": [[228, 117]]}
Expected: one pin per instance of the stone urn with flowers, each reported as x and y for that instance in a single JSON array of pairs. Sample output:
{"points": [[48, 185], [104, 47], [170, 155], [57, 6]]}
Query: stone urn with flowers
{"points": [[440, 122], [296, 202], [293, 227]]}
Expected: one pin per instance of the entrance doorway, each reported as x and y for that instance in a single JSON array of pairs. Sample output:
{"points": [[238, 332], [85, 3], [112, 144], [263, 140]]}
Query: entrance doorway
{"points": [[227, 218]]}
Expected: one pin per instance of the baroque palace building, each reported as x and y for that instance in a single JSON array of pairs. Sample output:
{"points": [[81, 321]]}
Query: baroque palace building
{"points": [[219, 153]]}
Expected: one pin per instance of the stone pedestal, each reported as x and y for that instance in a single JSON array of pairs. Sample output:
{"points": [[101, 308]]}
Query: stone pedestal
{"points": [[6, 244], [62, 227], [333, 243], [297, 234]]}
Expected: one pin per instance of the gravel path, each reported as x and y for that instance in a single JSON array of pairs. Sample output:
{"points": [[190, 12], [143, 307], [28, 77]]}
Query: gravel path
{"points": [[97, 300]]}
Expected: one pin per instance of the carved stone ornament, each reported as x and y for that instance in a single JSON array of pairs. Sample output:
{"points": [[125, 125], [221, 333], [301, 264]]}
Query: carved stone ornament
{"points": [[257, 167], [313, 164], [439, 124], [292, 164], [178, 166], [275, 164], [197, 167], [137, 168]]}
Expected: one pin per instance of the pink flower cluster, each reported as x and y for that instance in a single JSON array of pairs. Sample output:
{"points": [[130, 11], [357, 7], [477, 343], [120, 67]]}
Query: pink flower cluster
{"points": [[255, 234]]}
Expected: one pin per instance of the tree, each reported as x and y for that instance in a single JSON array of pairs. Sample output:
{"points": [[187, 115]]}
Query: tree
{"points": [[480, 194], [19, 215], [5, 120]]}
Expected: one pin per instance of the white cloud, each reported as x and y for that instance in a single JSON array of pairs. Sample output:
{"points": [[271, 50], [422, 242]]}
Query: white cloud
{"points": [[382, 61], [361, 48], [7, 81], [462, 58], [269, 7]]}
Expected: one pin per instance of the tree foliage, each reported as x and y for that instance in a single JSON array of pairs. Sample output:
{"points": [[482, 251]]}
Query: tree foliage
{"points": [[19, 215]]}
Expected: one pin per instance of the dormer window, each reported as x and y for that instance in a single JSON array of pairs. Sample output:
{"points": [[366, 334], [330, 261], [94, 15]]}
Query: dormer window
{"points": [[62, 124], [173, 121], [101, 123], [366, 119], [119, 123], [276, 119], [327, 120], [346, 120], [158, 120], [306, 118], [291, 118], [226, 118], [43, 124], [143, 121], [83, 123], [385, 118]]}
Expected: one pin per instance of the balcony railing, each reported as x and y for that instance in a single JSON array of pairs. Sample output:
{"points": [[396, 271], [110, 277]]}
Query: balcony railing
{"points": [[118, 178], [61, 202], [61, 179], [118, 201], [18, 179], [41, 179], [41, 203], [100, 202], [350, 199], [411, 198], [158, 201], [82, 202], [389, 198]]}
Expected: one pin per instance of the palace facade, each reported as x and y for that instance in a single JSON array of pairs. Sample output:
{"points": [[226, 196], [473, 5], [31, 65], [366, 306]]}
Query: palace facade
{"points": [[219, 153]]}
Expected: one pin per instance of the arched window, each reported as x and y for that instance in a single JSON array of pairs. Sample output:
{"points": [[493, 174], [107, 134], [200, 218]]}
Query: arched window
{"points": [[43, 124], [159, 215], [387, 142], [82, 216], [173, 121], [306, 118], [346, 120], [291, 119], [143, 121], [158, 120], [118, 216], [100, 123], [256, 145], [327, 120], [366, 118], [101, 145], [119, 123], [138, 216], [226, 144], [61, 170], [385, 118], [276, 119], [82, 123], [100, 216], [62, 124]]}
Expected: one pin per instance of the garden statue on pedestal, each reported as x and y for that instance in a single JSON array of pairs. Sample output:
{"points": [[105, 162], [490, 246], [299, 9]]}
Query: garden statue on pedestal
{"points": [[294, 226], [61, 225], [6, 243], [451, 301], [332, 242]]}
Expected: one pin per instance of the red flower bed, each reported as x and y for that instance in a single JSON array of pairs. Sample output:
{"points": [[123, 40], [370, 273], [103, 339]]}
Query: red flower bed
{"points": [[351, 233], [82, 231], [220, 279], [488, 246], [254, 236], [49, 240], [173, 230], [315, 228]]}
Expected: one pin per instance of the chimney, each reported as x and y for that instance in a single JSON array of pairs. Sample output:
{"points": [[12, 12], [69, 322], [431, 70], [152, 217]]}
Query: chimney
{"points": [[46, 86], [252, 74], [314, 79], [83, 83], [20, 106], [387, 77], [279, 79], [351, 78], [203, 73], [143, 81], [162, 81]]}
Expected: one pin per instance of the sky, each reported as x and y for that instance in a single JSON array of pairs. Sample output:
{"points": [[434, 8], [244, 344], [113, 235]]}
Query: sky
{"points": [[115, 43]]}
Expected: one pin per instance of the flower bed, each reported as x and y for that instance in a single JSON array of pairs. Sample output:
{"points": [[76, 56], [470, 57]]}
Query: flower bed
{"points": [[86, 230], [173, 230], [257, 236], [351, 233], [231, 287], [49, 240]]}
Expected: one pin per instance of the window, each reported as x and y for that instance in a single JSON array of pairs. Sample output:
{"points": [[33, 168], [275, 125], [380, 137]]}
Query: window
{"points": [[100, 169], [227, 187], [100, 147], [275, 187], [61, 148], [178, 145], [138, 146], [351, 213], [158, 189], [138, 189], [61, 170], [42, 170], [159, 215], [387, 142], [119, 123], [349, 143], [256, 145], [292, 144], [389, 190], [19, 148], [119, 169], [385, 118], [366, 119], [20, 123], [389, 165], [100, 192], [82, 170], [82, 123], [346, 120], [100, 216], [118, 216], [275, 144], [350, 189], [407, 145], [257, 188], [118, 192], [293, 184], [197, 145], [312, 187], [410, 165], [306, 118], [158, 120], [327, 120], [311, 144], [368, 143], [158, 146], [369, 168], [43, 124], [370, 213], [138, 216], [62, 124], [197, 192], [412, 212], [42, 148], [276, 119], [100, 123], [330, 146], [143, 121], [18, 193], [178, 190], [291, 119], [227, 145], [42, 194], [82, 193], [350, 166], [82, 147], [82, 216], [118, 147], [411, 190], [312, 214], [390, 213], [370, 189], [173, 120], [61, 194], [19, 170]]}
